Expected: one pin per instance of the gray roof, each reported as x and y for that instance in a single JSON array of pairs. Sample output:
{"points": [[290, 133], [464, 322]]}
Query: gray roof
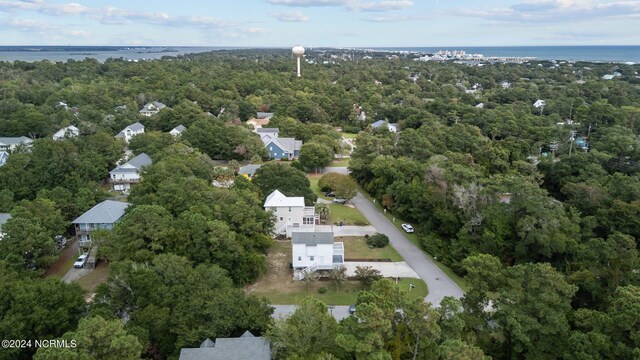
{"points": [[180, 128], [262, 115], [15, 140], [312, 238], [268, 130], [246, 347], [134, 165], [249, 169], [288, 144], [136, 126], [3, 219], [378, 123], [107, 212]]}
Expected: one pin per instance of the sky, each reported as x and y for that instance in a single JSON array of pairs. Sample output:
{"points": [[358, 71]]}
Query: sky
{"points": [[319, 23]]}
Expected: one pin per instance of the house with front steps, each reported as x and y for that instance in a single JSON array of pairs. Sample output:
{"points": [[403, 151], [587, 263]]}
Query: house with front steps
{"points": [[312, 251]]}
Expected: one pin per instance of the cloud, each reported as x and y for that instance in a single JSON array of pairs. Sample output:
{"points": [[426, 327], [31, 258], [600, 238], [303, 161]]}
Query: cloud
{"points": [[555, 11], [380, 5], [110, 15], [26, 25], [398, 18], [353, 5], [308, 3], [290, 16]]}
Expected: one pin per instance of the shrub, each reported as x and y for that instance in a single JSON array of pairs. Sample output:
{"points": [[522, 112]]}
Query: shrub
{"points": [[322, 290], [378, 240], [367, 275]]}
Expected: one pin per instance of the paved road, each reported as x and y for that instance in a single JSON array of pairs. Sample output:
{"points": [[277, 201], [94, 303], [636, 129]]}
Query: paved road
{"points": [[439, 284], [338, 312], [348, 230]]}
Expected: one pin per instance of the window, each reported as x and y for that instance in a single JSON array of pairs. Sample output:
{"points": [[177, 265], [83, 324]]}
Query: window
{"points": [[311, 258], [289, 208], [270, 148], [307, 220], [299, 258], [281, 218]]}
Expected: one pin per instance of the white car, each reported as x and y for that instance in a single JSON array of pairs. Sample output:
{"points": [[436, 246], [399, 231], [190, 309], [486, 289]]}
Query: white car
{"points": [[408, 228], [81, 260]]}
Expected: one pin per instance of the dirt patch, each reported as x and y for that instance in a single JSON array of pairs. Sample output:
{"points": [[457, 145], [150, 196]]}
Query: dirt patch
{"points": [[65, 261]]}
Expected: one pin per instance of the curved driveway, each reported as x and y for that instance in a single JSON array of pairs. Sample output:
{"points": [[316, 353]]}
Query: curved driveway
{"points": [[439, 284]]}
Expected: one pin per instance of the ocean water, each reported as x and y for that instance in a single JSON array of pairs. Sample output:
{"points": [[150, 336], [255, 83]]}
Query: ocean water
{"points": [[619, 54], [101, 53]]}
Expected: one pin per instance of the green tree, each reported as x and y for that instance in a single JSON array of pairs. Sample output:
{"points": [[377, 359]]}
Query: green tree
{"points": [[308, 332], [346, 188], [367, 275], [315, 156], [289, 181], [95, 338]]}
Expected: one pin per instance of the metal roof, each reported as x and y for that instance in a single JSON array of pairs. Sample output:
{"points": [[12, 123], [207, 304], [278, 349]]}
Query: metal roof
{"points": [[246, 347], [15, 140], [180, 128], [134, 165], [107, 212], [312, 238], [277, 199]]}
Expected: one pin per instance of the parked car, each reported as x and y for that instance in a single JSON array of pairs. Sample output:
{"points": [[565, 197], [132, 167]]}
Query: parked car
{"points": [[330, 194], [61, 241], [339, 201], [81, 260], [352, 309], [408, 228]]}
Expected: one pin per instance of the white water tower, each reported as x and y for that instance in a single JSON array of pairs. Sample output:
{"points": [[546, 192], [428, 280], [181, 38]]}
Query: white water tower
{"points": [[298, 52]]}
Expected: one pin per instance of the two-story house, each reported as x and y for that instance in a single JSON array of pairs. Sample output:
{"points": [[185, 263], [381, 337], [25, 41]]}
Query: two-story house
{"points": [[313, 251], [284, 148], [68, 132], [152, 108], [291, 213], [131, 131], [102, 216], [127, 174]]}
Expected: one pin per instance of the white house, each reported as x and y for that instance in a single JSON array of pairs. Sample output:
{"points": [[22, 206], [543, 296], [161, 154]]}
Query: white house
{"points": [[131, 131], [313, 251], [380, 123], [291, 214], [68, 132], [178, 130], [4, 156], [11, 143], [267, 134], [152, 108], [539, 104], [3, 219], [127, 174]]}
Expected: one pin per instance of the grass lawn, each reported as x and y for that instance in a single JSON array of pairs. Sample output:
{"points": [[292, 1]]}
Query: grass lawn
{"points": [[349, 135], [414, 239], [349, 215], [340, 162], [313, 179], [355, 247], [278, 286], [99, 275]]}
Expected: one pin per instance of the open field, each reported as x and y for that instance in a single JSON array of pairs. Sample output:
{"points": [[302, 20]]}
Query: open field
{"points": [[355, 247], [278, 286]]}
